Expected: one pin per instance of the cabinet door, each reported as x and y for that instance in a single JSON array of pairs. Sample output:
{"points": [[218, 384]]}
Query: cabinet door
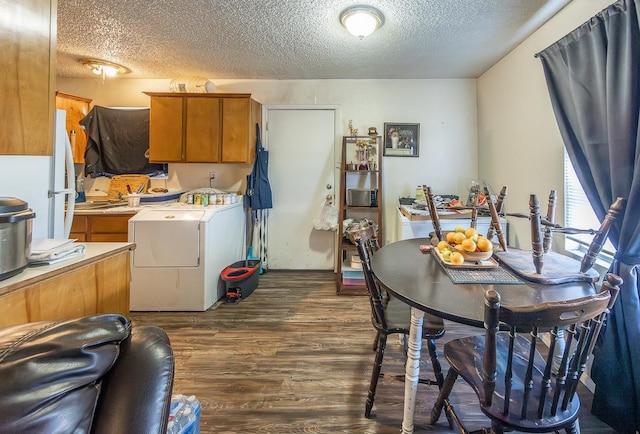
{"points": [[109, 227], [165, 129], [79, 228], [236, 130], [202, 133], [76, 108], [27, 33]]}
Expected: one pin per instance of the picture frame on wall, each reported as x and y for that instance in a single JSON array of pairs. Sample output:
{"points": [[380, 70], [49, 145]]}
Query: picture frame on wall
{"points": [[401, 139]]}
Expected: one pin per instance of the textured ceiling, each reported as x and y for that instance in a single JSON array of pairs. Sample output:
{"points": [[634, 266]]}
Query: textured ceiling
{"points": [[293, 39]]}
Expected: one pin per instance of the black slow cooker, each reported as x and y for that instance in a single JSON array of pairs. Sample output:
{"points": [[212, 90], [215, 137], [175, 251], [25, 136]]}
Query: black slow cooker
{"points": [[15, 236]]}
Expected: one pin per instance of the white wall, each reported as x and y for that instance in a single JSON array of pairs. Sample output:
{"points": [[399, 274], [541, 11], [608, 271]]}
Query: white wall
{"points": [[518, 138], [445, 110]]}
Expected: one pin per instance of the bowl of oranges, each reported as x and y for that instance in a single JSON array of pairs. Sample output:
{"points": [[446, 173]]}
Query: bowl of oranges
{"points": [[464, 244]]}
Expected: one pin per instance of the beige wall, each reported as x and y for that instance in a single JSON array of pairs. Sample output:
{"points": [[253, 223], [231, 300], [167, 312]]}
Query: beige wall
{"points": [[519, 144], [445, 110]]}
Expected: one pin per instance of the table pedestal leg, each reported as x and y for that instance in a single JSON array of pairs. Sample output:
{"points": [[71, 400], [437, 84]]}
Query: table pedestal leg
{"points": [[412, 369]]}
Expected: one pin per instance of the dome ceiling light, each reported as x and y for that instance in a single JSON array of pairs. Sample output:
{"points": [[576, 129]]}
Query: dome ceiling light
{"points": [[361, 20], [104, 68]]}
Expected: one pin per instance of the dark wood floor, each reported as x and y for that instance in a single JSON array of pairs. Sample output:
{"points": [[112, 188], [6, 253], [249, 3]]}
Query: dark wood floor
{"points": [[294, 357]]}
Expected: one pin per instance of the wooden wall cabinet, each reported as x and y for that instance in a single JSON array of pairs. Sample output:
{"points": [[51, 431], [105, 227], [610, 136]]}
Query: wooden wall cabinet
{"points": [[77, 108], [354, 174], [202, 127], [101, 227], [28, 35]]}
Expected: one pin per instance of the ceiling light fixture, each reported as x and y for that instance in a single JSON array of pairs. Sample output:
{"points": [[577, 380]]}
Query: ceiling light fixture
{"points": [[104, 68], [361, 20]]}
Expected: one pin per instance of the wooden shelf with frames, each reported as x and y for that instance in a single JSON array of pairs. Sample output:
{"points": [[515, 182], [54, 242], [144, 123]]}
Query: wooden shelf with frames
{"points": [[361, 172]]}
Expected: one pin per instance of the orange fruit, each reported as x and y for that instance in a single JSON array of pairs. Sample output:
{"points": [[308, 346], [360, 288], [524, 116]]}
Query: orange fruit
{"points": [[442, 245], [450, 237], [469, 245], [484, 244], [470, 232], [456, 258], [459, 237]]}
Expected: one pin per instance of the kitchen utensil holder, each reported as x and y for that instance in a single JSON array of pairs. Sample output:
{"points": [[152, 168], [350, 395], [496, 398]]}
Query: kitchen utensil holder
{"points": [[134, 200]]}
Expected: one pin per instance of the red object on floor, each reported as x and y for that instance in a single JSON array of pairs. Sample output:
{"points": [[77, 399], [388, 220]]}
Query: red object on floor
{"points": [[241, 278], [232, 274]]}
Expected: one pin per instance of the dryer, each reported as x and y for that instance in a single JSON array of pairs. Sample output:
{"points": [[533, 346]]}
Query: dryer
{"points": [[180, 251]]}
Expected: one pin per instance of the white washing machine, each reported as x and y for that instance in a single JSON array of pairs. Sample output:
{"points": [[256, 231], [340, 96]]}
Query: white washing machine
{"points": [[180, 251]]}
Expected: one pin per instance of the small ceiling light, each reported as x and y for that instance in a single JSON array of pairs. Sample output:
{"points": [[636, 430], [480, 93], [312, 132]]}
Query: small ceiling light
{"points": [[361, 20], [104, 68]]}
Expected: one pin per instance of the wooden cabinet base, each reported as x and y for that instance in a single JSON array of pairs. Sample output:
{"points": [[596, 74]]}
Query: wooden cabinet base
{"points": [[101, 286], [101, 227]]}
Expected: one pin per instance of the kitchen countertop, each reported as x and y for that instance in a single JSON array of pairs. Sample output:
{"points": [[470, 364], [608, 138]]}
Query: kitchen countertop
{"points": [[122, 209], [134, 210], [113, 210], [37, 273], [422, 214], [126, 209]]}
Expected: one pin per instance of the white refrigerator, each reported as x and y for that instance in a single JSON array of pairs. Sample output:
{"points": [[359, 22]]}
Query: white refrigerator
{"points": [[45, 183]]}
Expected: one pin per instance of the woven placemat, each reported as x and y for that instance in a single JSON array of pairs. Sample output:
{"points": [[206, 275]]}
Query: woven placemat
{"points": [[493, 275]]}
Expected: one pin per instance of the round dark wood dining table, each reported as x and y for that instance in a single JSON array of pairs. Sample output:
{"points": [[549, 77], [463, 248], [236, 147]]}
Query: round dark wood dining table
{"points": [[419, 280]]}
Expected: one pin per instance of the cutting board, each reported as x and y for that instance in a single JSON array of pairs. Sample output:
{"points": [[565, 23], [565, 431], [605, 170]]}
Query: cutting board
{"points": [[119, 184]]}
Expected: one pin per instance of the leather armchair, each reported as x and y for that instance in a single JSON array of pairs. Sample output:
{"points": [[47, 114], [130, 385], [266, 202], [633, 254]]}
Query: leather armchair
{"points": [[94, 374]]}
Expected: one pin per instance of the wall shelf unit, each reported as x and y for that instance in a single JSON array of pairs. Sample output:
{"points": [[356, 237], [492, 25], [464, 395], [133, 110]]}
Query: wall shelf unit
{"points": [[360, 197]]}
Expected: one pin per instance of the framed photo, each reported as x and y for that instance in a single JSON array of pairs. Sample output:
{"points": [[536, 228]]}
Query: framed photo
{"points": [[401, 140]]}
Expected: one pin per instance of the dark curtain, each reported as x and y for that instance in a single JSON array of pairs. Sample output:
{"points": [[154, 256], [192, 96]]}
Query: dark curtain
{"points": [[118, 142], [593, 78]]}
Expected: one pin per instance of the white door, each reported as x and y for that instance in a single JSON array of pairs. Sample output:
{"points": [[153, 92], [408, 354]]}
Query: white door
{"points": [[302, 161]]}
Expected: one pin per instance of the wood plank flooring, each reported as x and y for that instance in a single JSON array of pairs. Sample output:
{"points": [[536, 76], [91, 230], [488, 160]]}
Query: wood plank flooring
{"points": [[294, 357]]}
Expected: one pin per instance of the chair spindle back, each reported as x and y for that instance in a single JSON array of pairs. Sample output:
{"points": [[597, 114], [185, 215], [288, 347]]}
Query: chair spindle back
{"points": [[583, 319], [601, 236], [495, 208], [367, 245], [433, 212], [551, 218]]}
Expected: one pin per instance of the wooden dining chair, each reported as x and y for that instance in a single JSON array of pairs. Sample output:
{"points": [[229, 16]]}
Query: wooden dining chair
{"points": [[510, 371], [494, 207], [543, 226], [391, 316]]}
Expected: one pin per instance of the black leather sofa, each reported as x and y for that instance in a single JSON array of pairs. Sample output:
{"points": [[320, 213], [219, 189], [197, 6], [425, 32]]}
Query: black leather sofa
{"points": [[95, 374]]}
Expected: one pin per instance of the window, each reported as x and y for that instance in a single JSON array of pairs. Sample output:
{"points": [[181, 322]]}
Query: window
{"points": [[579, 214]]}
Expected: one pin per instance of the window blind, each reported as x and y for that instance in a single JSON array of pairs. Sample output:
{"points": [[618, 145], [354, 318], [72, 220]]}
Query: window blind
{"points": [[578, 212]]}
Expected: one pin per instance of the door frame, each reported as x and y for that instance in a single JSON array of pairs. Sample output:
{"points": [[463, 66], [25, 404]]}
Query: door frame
{"points": [[337, 143]]}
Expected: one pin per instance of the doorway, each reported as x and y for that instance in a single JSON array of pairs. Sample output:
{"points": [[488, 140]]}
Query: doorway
{"points": [[302, 171]]}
